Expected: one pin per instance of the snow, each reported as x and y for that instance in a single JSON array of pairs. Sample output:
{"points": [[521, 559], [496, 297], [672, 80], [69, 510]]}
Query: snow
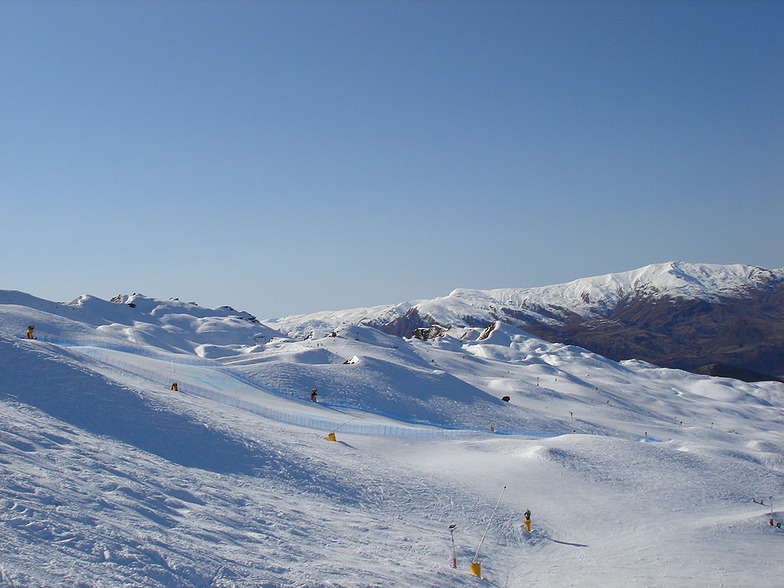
{"points": [[635, 475], [323, 323], [585, 297], [675, 279]]}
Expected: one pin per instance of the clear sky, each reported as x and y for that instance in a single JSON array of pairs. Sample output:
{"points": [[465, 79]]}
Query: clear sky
{"points": [[289, 157]]}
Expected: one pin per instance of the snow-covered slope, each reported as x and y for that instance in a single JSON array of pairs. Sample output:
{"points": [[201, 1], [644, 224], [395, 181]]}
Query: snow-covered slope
{"points": [[726, 319], [586, 297], [635, 475], [596, 295], [134, 321], [322, 323]]}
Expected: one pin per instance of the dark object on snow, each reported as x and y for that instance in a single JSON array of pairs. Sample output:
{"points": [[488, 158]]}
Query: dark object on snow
{"points": [[506, 399], [175, 387], [313, 395]]}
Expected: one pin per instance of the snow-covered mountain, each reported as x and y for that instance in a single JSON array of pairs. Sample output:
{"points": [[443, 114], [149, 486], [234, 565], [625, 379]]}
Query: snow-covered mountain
{"points": [[674, 314], [599, 296], [635, 475]]}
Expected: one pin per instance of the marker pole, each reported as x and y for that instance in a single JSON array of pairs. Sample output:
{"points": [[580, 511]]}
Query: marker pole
{"points": [[476, 557], [454, 551]]}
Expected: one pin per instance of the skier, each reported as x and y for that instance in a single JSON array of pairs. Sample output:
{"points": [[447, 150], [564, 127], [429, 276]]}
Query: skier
{"points": [[30, 330], [175, 387], [313, 395], [527, 516]]}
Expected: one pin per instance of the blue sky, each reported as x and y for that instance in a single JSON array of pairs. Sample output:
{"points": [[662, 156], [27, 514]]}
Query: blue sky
{"points": [[287, 157]]}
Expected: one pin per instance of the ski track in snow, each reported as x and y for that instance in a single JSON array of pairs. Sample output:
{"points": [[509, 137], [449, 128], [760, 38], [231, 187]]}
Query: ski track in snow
{"points": [[635, 475]]}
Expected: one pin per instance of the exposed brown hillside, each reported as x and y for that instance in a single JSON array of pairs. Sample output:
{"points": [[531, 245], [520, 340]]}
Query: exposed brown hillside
{"points": [[746, 333]]}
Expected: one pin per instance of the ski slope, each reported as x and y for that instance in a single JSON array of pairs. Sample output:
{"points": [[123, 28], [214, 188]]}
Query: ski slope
{"points": [[635, 475]]}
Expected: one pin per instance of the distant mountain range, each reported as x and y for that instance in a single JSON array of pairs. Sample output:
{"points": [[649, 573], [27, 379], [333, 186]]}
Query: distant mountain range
{"points": [[722, 320], [725, 320]]}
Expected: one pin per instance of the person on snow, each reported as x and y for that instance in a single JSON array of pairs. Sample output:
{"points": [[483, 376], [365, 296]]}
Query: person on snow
{"points": [[30, 330], [175, 387], [313, 395]]}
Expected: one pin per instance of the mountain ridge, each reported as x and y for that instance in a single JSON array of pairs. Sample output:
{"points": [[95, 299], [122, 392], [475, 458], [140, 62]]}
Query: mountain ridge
{"points": [[675, 314]]}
